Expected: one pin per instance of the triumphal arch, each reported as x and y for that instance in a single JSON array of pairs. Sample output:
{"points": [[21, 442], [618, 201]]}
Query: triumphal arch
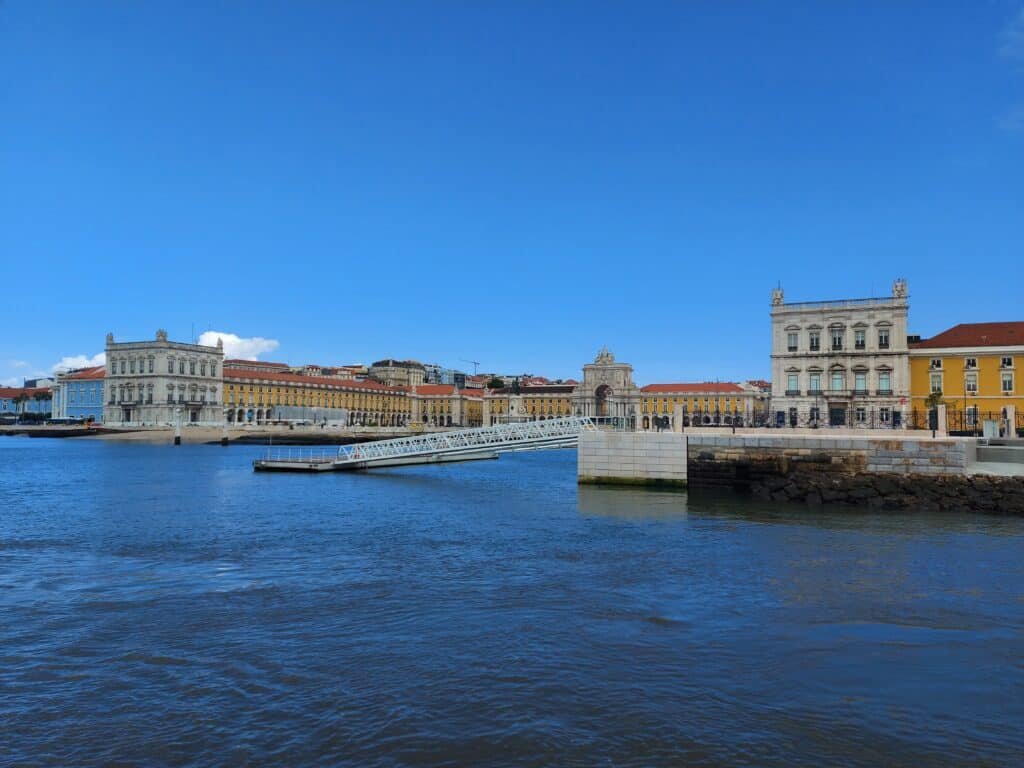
{"points": [[607, 389]]}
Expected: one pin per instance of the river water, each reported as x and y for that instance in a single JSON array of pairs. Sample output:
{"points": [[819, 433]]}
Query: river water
{"points": [[167, 606]]}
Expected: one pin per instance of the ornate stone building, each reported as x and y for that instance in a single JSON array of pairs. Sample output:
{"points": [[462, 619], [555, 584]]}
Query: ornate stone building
{"points": [[840, 363], [163, 382], [607, 391]]}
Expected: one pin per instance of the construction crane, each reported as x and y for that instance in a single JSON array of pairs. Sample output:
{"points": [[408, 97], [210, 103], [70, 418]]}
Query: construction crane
{"points": [[476, 364]]}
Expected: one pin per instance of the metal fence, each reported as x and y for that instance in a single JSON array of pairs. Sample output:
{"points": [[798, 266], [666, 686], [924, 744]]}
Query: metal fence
{"points": [[855, 417], [964, 423]]}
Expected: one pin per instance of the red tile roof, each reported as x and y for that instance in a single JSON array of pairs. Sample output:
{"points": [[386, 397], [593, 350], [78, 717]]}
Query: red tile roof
{"points": [[976, 335], [711, 388], [98, 372], [434, 389], [298, 379], [11, 392]]}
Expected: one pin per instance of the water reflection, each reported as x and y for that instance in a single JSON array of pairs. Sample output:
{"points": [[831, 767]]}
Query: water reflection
{"points": [[629, 503]]}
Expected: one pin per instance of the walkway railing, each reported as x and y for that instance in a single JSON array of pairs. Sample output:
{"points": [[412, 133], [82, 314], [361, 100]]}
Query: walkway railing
{"points": [[553, 432]]}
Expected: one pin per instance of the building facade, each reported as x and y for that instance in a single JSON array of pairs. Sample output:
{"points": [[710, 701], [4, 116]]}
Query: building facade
{"points": [[398, 373], [975, 369], [841, 363], [78, 394], [260, 397], [33, 403], [445, 405], [163, 382], [702, 404]]}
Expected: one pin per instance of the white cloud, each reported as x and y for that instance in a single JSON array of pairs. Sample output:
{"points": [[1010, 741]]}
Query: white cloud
{"points": [[238, 347], [79, 361], [18, 364]]}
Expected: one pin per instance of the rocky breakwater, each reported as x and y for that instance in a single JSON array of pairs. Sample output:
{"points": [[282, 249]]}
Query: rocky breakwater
{"points": [[911, 475]]}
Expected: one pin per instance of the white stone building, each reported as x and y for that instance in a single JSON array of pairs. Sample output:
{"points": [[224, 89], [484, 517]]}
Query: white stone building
{"points": [[841, 363], [163, 382]]}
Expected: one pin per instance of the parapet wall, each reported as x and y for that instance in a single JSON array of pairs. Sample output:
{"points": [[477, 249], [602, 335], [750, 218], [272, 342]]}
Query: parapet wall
{"points": [[903, 456]]}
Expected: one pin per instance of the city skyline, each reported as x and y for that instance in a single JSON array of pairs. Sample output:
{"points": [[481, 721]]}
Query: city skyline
{"points": [[347, 184]]}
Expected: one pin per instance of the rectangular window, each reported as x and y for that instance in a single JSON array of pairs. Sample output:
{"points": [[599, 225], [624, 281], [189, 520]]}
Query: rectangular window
{"points": [[860, 382], [181, 367], [192, 367], [791, 342], [971, 362], [837, 338], [861, 415], [937, 383], [884, 382], [792, 383], [972, 416], [859, 339], [151, 365], [131, 365], [1006, 362], [883, 338], [815, 382], [936, 363], [838, 381], [815, 415], [883, 415], [971, 382], [170, 365], [815, 338], [1007, 383], [122, 367]]}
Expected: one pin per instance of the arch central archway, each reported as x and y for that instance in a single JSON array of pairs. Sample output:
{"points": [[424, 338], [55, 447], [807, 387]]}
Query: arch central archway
{"points": [[601, 400]]}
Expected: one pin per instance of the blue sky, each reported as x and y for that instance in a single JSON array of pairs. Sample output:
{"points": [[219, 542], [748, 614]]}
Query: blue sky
{"points": [[515, 183]]}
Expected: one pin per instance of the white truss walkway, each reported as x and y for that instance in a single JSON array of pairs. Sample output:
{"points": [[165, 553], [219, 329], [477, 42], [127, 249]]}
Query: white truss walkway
{"points": [[482, 442], [500, 437]]}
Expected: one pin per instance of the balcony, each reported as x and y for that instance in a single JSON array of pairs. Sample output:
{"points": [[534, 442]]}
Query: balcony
{"points": [[883, 345], [860, 392], [883, 392], [791, 349], [837, 347], [792, 393], [845, 393], [859, 346], [815, 392]]}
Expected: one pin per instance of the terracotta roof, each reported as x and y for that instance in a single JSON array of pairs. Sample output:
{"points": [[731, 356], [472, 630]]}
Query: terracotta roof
{"points": [[434, 389], [713, 388], [295, 378], [976, 335], [98, 372], [10, 392], [761, 383]]}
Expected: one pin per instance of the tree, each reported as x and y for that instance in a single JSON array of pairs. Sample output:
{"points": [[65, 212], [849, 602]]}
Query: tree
{"points": [[934, 400], [496, 383]]}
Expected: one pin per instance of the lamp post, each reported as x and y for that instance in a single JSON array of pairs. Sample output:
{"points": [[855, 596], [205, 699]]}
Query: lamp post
{"points": [[177, 425]]}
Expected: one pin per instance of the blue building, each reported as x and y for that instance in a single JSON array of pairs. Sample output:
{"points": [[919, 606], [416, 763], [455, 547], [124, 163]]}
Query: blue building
{"points": [[19, 402], [79, 395]]}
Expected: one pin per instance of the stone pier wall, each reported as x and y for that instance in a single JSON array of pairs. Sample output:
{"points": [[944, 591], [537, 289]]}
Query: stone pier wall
{"points": [[913, 475], [633, 458]]}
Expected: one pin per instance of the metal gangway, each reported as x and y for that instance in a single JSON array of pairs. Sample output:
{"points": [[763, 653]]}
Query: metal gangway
{"points": [[436, 447]]}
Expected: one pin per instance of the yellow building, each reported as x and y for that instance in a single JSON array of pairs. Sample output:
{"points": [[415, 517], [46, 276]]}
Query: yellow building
{"points": [[257, 397], [528, 403], [444, 405], [977, 369], [703, 403]]}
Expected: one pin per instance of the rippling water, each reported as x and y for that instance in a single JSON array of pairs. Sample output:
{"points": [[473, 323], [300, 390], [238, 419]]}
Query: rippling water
{"points": [[164, 605]]}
